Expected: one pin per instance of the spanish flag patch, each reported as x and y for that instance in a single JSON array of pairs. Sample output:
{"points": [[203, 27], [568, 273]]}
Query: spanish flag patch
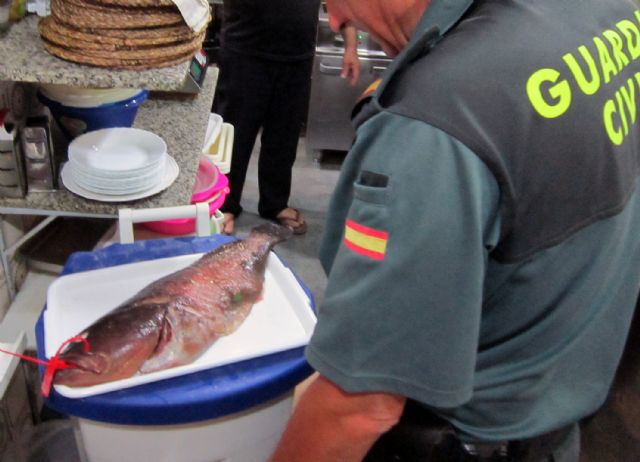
{"points": [[366, 241]]}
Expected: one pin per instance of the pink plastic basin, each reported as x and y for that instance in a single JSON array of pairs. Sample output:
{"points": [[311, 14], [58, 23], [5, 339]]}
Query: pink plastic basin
{"points": [[211, 186], [206, 181]]}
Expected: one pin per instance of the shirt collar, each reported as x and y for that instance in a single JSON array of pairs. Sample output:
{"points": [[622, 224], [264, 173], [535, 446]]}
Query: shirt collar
{"points": [[437, 20], [442, 14]]}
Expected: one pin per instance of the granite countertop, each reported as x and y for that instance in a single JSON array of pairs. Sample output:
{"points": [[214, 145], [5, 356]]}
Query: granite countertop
{"points": [[180, 119], [23, 59]]}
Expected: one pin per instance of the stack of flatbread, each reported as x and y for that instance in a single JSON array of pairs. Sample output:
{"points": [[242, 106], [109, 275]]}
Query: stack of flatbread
{"points": [[120, 34]]}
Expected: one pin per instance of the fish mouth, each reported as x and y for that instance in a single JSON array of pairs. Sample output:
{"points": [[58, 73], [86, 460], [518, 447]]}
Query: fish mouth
{"points": [[93, 363], [83, 371]]}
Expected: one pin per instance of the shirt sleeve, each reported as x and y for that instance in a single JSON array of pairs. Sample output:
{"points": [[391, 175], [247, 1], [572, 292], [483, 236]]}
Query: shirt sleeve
{"points": [[412, 220]]}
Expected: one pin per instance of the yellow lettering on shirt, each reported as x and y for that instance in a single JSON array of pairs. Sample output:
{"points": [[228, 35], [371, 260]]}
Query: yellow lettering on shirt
{"points": [[555, 100], [589, 69], [632, 36], [588, 85]]}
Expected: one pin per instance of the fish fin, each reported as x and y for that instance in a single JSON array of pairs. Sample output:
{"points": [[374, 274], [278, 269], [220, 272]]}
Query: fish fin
{"points": [[276, 232], [165, 336], [153, 362]]}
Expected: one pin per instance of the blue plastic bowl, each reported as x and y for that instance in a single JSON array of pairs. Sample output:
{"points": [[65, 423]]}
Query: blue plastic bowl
{"points": [[75, 121]]}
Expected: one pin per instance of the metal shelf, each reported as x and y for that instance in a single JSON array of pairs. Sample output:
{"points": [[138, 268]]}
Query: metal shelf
{"points": [[180, 118]]}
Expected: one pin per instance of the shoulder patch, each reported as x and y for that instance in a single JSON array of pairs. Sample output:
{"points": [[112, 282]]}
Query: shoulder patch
{"points": [[365, 241]]}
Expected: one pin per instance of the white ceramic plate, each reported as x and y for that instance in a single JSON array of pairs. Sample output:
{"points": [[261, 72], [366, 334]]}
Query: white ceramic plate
{"points": [[122, 175], [282, 320], [117, 149], [170, 175], [118, 186], [117, 175]]}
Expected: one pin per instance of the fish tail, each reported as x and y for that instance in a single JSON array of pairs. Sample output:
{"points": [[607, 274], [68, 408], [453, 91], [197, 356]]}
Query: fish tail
{"points": [[274, 232]]}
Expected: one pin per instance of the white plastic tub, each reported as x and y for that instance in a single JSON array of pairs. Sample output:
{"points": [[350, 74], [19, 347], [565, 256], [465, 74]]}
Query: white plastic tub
{"points": [[249, 436]]}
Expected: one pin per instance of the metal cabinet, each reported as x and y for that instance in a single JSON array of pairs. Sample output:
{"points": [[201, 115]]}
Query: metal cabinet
{"points": [[332, 98]]}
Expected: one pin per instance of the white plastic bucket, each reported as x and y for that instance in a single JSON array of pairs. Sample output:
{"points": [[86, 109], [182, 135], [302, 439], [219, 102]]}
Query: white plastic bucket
{"points": [[249, 436]]}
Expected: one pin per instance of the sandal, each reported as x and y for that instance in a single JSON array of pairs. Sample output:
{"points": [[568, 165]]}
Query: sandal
{"points": [[292, 219], [228, 224]]}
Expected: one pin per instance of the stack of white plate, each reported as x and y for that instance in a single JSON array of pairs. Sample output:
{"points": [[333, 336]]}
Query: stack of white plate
{"points": [[118, 164]]}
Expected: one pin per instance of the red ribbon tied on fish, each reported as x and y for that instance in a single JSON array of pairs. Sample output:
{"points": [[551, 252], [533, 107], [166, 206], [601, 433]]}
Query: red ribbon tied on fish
{"points": [[53, 364]]}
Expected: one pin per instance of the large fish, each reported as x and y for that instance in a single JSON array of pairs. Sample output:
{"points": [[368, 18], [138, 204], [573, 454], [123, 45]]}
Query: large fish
{"points": [[176, 318]]}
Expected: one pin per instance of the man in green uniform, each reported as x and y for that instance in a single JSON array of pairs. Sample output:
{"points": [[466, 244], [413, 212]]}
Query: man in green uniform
{"points": [[482, 244]]}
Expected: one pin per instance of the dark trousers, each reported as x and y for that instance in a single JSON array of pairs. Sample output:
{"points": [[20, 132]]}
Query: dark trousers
{"points": [[254, 93], [420, 436]]}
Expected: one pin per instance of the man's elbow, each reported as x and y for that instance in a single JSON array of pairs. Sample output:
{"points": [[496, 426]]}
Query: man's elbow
{"points": [[382, 413], [361, 415]]}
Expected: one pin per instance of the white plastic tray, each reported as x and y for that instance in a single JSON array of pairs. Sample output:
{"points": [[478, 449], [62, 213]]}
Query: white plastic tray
{"points": [[282, 320]]}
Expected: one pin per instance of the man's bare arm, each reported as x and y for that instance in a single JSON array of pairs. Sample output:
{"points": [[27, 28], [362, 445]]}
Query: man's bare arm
{"points": [[330, 424]]}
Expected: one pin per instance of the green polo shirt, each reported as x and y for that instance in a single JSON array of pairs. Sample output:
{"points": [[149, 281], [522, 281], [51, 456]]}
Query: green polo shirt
{"points": [[416, 306], [421, 300]]}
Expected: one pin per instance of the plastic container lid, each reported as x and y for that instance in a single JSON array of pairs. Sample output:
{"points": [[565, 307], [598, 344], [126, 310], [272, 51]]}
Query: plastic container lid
{"points": [[211, 186], [206, 181]]}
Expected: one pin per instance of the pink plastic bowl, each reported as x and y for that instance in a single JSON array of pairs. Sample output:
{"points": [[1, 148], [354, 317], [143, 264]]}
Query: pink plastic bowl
{"points": [[206, 181], [211, 186]]}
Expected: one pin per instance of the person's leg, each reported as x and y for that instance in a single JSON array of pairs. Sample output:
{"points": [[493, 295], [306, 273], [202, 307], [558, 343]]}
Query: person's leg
{"points": [[279, 141], [242, 96]]}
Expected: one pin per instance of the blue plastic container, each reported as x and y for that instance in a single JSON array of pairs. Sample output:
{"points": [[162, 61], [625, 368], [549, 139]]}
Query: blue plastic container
{"points": [[75, 121]]}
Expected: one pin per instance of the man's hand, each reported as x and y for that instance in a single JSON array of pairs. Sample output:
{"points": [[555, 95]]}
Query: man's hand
{"points": [[350, 61], [330, 424]]}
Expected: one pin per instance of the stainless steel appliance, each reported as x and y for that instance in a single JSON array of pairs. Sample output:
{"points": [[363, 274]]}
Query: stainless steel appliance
{"points": [[332, 98], [39, 158]]}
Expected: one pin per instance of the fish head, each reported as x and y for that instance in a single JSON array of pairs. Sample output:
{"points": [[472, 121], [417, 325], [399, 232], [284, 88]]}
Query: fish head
{"points": [[119, 344], [82, 367]]}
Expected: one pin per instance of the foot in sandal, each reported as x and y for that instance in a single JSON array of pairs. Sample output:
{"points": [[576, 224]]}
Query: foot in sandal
{"points": [[293, 219], [228, 224]]}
